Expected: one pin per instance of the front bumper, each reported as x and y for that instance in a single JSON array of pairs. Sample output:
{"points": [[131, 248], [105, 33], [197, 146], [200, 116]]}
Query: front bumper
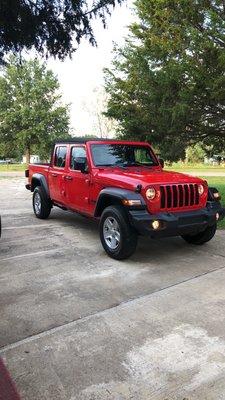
{"points": [[176, 224]]}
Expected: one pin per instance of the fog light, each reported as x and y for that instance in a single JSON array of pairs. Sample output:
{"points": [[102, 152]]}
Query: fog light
{"points": [[155, 224], [217, 216], [216, 195]]}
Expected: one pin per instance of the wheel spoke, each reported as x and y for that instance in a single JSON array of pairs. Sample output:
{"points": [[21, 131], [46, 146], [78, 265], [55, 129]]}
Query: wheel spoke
{"points": [[115, 225], [111, 233], [117, 236], [108, 236], [110, 223], [114, 242]]}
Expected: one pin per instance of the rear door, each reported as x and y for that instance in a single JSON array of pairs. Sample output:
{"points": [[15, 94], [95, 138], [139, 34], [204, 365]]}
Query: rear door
{"points": [[78, 179], [56, 174]]}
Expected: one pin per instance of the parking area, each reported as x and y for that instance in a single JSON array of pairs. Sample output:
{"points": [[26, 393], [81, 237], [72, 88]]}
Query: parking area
{"points": [[77, 325]]}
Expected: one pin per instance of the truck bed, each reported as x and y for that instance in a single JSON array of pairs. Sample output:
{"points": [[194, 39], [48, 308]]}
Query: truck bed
{"points": [[42, 168]]}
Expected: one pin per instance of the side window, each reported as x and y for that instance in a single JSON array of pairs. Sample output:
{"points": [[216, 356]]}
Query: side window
{"points": [[78, 160], [60, 156]]}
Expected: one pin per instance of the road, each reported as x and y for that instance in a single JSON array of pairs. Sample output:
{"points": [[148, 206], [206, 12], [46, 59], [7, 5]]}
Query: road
{"points": [[77, 325]]}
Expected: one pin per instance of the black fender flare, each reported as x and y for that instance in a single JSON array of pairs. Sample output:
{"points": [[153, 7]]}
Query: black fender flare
{"points": [[40, 180], [110, 195]]}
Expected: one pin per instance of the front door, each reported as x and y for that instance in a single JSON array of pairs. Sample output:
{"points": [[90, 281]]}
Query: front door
{"points": [[78, 180], [56, 175]]}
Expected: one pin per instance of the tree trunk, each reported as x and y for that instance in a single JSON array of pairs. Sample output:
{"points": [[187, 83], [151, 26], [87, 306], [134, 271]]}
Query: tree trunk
{"points": [[27, 153]]}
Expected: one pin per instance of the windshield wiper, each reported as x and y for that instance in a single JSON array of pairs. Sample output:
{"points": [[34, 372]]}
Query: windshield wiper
{"points": [[104, 165], [118, 165], [130, 164], [138, 164]]}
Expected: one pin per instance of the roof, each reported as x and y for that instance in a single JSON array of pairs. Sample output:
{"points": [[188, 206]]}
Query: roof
{"points": [[76, 140], [83, 140]]}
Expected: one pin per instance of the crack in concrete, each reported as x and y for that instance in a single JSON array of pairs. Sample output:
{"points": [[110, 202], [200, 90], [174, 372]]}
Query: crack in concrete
{"points": [[58, 328], [38, 253]]}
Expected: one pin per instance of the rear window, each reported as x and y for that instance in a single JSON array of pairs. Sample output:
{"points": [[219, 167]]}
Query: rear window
{"points": [[60, 156]]}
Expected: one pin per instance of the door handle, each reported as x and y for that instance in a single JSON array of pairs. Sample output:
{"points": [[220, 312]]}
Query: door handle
{"points": [[54, 175], [68, 178]]}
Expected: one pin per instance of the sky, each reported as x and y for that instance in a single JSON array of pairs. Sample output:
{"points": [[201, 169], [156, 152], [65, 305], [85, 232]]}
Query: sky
{"points": [[81, 75]]}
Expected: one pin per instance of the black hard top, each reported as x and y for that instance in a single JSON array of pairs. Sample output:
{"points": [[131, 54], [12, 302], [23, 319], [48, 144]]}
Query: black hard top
{"points": [[75, 140], [84, 140]]}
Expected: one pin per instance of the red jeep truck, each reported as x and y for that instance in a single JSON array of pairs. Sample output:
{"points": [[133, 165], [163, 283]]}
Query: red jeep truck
{"points": [[123, 185]]}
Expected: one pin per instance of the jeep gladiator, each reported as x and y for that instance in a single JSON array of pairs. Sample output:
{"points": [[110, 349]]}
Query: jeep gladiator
{"points": [[122, 184]]}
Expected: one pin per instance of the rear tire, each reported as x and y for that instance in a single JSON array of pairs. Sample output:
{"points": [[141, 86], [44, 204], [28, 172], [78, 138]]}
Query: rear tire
{"points": [[118, 238], [41, 205], [201, 237]]}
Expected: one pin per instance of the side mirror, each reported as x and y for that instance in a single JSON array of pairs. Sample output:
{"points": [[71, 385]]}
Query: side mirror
{"points": [[161, 162]]}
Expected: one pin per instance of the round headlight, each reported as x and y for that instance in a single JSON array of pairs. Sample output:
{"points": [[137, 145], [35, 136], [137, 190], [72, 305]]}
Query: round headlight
{"points": [[150, 193], [200, 189]]}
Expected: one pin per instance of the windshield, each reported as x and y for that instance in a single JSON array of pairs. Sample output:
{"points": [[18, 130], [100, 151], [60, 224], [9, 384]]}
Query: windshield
{"points": [[109, 155]]}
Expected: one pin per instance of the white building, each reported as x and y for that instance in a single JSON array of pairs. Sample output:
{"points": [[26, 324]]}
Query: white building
{"points": [[33, 159]]}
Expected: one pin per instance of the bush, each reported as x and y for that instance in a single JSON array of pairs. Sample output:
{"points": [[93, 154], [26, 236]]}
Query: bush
{"points": [[195, 154]]}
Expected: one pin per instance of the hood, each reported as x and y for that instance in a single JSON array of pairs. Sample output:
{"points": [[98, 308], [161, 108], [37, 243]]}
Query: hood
{"points": [[132, 176]]}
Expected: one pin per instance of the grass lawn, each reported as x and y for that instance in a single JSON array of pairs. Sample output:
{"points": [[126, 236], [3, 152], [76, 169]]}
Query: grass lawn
{"points": [[12, 167], [200, 168]]}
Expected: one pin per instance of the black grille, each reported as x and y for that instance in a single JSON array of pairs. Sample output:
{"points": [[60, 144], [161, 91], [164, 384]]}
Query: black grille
{"points": [[173, 196]]}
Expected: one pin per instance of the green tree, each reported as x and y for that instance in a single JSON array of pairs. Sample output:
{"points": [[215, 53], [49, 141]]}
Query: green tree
{"points": [[195, 153], [53, 27], [167, 84], [32, 115]]}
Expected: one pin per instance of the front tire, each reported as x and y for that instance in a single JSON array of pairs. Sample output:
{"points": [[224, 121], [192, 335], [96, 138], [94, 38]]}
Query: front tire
{"points": [[41, 205], [118, 238], [201, 237]]}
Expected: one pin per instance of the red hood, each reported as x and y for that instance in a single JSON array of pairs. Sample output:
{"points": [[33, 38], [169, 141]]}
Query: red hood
{"points": [[129, 178], [132, 176]]}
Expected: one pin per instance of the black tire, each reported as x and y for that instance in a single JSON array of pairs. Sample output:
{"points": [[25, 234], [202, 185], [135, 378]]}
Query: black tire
{"points": [[128, 236], [201, 237], [44, 210]]}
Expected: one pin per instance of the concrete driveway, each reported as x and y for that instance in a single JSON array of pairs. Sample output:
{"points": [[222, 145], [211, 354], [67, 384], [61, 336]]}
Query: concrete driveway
{"points": [[77, 325]]}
